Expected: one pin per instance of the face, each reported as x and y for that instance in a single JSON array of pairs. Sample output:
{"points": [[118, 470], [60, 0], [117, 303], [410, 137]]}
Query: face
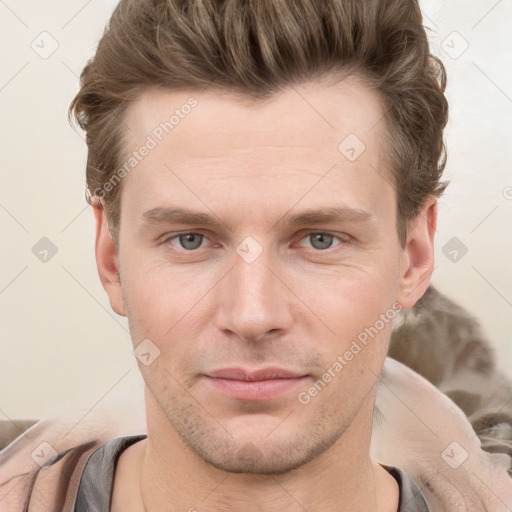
{"points": [[258, 254]]}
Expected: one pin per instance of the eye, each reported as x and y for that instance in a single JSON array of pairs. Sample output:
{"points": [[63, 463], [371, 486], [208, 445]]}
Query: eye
{"points": [[188, 241], [321, 241]]}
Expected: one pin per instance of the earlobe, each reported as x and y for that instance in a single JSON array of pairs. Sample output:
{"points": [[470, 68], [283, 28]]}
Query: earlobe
{"points": [[417, 263], [107, 260]]}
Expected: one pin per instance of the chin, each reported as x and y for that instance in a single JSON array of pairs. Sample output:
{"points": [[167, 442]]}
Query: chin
{"points": [[252, 459], [263, 453]]}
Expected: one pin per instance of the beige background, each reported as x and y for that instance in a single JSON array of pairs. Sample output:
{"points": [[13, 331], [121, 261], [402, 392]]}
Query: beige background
{"points": [[61, 344]]}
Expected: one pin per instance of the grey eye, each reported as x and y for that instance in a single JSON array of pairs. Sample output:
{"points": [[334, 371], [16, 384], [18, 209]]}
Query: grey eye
{"points": [[321, 240], [191, 241]]}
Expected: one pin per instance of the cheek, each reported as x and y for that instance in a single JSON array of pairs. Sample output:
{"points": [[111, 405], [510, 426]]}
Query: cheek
{"points": [[350, 296], [358, 307], [163, 302]]}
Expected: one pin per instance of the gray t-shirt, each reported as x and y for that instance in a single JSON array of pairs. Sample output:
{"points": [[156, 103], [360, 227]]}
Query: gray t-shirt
{"points": [[95, 491]]}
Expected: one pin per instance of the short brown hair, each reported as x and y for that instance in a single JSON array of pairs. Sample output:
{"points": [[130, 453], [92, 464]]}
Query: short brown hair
{"points": [[255, 48]]}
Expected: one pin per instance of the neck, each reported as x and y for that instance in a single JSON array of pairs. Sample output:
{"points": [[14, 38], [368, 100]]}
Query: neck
{"points": [[341, 479]]}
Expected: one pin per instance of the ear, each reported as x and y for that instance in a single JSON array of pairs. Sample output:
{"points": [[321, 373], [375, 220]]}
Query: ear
{"points": [[417, 261], [107, 260]]}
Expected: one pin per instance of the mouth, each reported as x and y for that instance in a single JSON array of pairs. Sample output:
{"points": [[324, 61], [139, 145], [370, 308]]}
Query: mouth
{"points": [[255, 385]]}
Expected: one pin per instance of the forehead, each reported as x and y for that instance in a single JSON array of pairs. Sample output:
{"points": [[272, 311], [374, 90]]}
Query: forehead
{"points": [[313, 112], [222, 143]]}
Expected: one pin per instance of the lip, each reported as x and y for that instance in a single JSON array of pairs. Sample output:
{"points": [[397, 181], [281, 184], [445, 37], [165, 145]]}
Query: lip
{"points": [[268, 373], [255, 385]]}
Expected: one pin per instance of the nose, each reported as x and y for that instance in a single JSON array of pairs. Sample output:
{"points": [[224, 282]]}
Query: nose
{"points": [[254, 301]]}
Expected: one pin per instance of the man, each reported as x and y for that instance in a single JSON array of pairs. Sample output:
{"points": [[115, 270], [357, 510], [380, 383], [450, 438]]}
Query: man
{"points": [[264, 178]]}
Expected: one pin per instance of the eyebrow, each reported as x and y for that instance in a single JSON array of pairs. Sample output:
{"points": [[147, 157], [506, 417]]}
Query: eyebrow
{"points": [[322, 215], [325, 215], [180, 216]]}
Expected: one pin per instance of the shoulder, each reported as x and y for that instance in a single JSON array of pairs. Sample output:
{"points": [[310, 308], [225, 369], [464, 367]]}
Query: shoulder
{"points": [[410, 497], [96, 489], [41, 469]]}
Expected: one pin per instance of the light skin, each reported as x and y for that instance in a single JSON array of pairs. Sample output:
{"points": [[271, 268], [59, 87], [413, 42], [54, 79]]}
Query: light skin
{"points": [[297, 306]]}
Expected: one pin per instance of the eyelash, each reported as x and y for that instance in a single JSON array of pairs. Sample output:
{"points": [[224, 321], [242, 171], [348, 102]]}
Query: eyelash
{"points": [[173, 236]]}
